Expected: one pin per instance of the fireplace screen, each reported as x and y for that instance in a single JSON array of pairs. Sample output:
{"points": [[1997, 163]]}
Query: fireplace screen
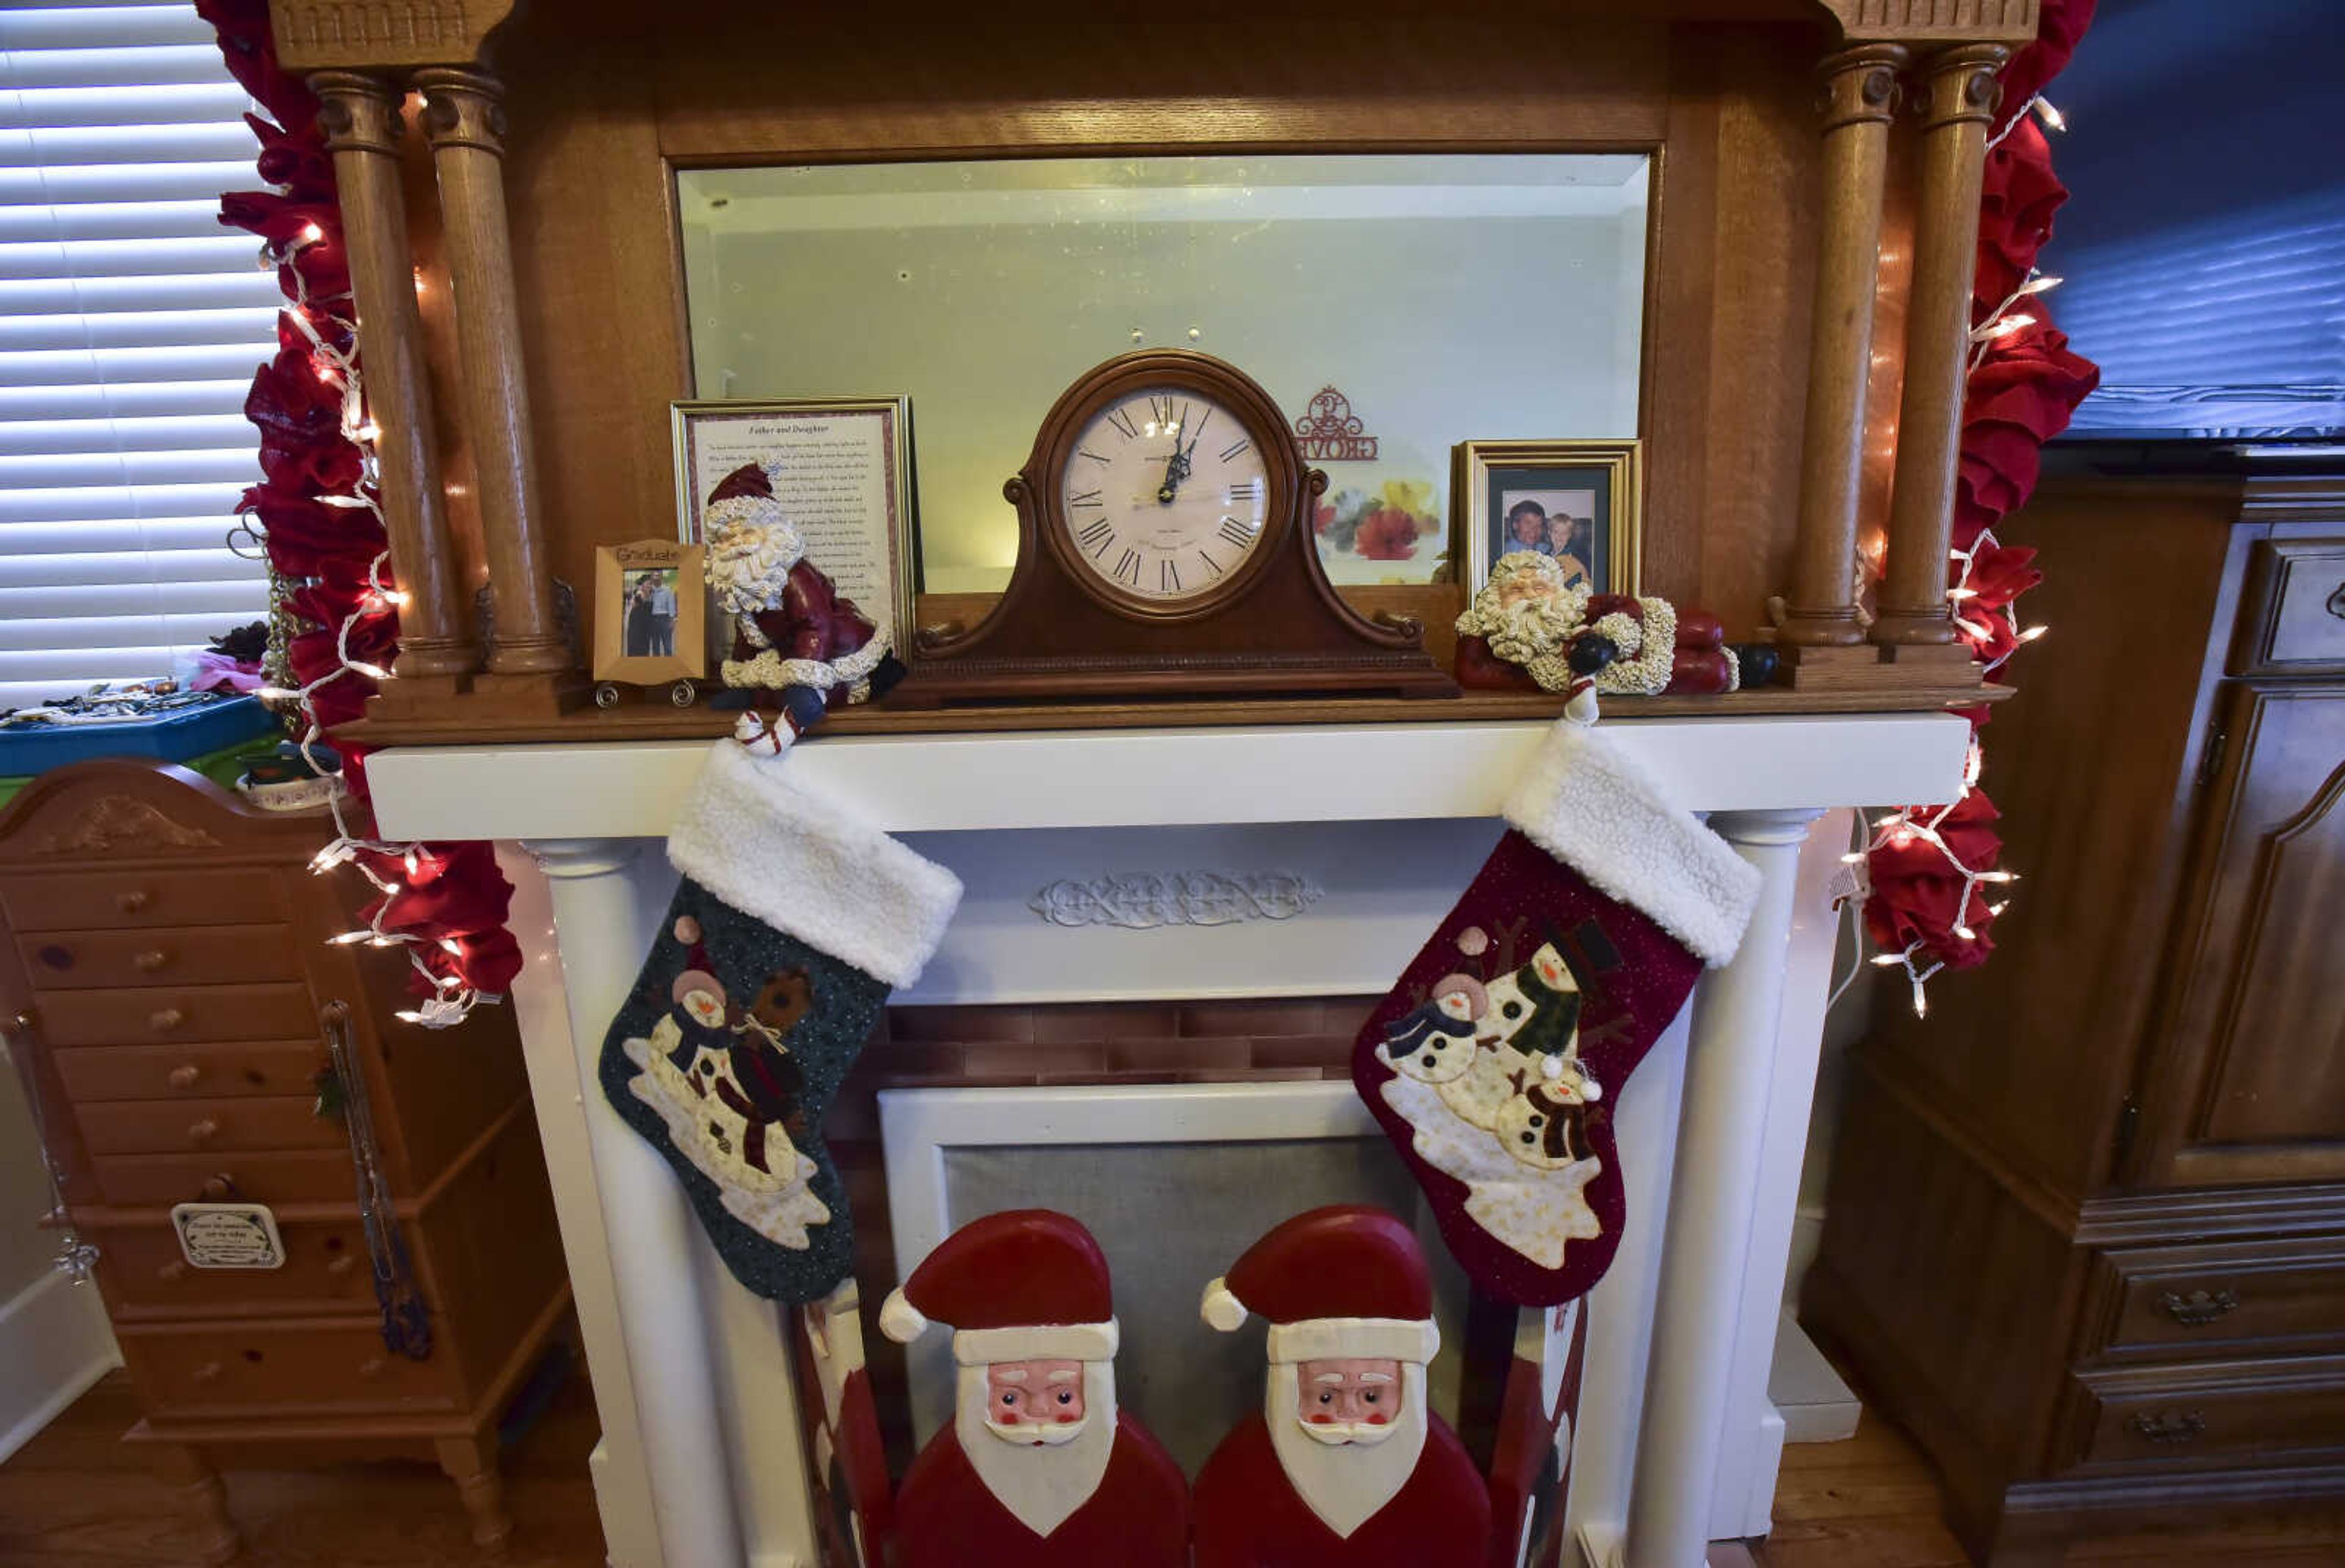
{"points": [[1176, 1181]]}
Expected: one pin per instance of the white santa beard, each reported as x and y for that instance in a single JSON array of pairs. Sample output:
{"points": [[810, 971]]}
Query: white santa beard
{"points": [[1344, 1486], [1039, 1486]]}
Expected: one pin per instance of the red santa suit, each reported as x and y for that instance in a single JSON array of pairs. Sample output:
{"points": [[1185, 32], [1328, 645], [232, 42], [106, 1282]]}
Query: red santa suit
{"points": [[1065, 1480], [1347, 1294]]}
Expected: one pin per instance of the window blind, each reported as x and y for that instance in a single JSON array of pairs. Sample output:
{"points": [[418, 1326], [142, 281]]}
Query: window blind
{"points": [[130, 323]]}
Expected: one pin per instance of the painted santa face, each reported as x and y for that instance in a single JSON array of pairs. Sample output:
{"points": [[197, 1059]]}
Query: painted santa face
{"points": [[1036, 1403], [1353, 1400]]}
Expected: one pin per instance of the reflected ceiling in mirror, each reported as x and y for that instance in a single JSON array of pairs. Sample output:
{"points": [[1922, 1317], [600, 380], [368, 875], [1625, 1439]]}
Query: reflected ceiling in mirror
{"points": [[1438, 298]]}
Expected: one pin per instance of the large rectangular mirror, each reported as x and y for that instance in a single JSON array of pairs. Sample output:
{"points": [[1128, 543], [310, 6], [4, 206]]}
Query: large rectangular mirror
{"points": [[1394, 305]]}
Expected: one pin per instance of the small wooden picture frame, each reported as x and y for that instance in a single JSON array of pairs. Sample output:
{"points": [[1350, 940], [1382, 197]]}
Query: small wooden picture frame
{"points": [[651, 612], [1585, 501]]}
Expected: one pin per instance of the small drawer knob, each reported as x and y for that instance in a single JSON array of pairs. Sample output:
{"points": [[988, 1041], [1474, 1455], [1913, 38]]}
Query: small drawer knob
{"points": [[209, 1373], [2168, 1426], [152, 959], [2200, 1307], [372, 1368], [184, 1077], [133, 900], [171, 1273], [219, 1189], [203, 1130], [164, 1021], [341, 1268]]}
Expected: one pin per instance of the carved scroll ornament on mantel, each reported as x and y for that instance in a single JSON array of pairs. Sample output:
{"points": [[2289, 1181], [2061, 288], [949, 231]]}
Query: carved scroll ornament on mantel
{"points": [[1142, 901]]}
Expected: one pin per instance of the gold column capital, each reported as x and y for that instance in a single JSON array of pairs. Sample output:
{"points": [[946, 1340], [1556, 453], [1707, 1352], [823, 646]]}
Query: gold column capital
{"points": [[361, 112], [1961, 85], [1859, 85], [463, 107]]}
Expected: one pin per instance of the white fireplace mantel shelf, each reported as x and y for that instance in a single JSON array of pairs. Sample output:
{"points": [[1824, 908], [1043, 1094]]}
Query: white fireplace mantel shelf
{"points": [[1166, 777], [1675, 1441]]}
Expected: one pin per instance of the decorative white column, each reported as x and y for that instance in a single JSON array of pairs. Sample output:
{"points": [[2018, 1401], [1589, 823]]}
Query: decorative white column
{"points": [[1721, 1131], [670, 1365]]}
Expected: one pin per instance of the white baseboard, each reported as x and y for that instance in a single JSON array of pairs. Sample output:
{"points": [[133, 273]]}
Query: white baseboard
{"points": [[55, 1341]]}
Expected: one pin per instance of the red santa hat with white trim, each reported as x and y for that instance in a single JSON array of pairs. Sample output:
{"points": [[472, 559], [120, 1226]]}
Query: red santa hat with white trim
{"points": [[1347, 1281], [1028, 1284]]}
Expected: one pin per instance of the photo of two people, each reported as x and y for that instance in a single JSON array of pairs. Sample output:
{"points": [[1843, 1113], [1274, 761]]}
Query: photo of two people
{"points": [[1559, 523], [650, 596]]}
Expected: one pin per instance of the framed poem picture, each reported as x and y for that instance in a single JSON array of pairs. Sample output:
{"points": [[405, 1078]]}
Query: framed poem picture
{"points": [[1580, 502], [840, 468], [650, 610]]}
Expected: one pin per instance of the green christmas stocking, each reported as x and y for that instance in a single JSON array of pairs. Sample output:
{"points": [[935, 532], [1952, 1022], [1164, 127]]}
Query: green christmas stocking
{"points": [[792, 922]]}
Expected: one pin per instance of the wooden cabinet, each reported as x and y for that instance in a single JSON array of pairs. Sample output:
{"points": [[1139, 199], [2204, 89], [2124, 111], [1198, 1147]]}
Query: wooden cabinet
{"points": [[2085, 1235], [164, 957]]}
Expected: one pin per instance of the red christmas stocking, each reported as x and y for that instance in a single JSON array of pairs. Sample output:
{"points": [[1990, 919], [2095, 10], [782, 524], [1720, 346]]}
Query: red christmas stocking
{"points": [[1492, 1065]]}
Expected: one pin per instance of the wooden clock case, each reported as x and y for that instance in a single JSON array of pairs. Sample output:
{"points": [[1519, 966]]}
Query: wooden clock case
{"points": [[1277, 627]]}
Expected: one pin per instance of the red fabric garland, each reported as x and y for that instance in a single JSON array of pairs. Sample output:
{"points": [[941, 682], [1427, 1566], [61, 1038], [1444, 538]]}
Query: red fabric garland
{"points": [[2021, 394], [450, 894]]}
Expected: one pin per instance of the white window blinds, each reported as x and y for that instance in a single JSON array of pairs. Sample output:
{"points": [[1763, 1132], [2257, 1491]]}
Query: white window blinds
{"points": [[130, 323]]}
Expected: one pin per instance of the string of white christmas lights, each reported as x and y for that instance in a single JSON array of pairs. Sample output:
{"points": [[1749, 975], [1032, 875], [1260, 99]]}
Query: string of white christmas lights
{"points": [[1908, 825], [451, 998]]}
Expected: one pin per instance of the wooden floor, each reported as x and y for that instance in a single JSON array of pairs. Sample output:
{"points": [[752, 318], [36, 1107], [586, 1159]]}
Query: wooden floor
{"points": [[72, 1498]]}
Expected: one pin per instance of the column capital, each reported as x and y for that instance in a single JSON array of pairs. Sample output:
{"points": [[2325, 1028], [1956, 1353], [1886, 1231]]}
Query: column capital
{"points": [[1772, 825], [463, 107], [1860, 85], [360, 110], [1961, 85], [564, 859]]}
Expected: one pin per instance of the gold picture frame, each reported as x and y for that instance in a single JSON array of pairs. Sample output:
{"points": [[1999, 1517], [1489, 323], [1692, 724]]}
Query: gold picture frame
{"points": [[634, 642], [859, 530], [1497, 486]]}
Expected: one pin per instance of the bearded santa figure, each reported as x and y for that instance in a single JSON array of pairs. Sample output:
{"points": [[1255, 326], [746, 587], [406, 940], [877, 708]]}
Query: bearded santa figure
{"points": [[798, 643], [1346, 1465], [1039, 1469]]}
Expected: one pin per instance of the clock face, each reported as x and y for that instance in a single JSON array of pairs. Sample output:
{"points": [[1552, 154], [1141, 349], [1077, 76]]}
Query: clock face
{"points": [[1165, 495]]}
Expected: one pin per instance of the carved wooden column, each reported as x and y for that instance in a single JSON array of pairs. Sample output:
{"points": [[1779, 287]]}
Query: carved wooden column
{"points": [[1860, 94], [362, 114], [464, 117], [1914, 625]]}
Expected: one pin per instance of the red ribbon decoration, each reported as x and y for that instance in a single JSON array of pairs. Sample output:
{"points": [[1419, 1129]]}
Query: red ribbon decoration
{"points": [[451, 898]]}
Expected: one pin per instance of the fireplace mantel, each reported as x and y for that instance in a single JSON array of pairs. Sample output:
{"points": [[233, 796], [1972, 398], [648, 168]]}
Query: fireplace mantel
{"points": [[700, 1457], [1164, 777]]}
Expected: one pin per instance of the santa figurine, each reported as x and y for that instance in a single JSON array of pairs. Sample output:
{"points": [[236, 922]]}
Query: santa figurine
{"points": [[1347, 1466], [799, 646], [1038, 1468]]}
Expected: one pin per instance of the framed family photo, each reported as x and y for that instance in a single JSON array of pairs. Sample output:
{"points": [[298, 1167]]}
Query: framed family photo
{"points": [[650, 610], [1579, 502], [841, 471]]}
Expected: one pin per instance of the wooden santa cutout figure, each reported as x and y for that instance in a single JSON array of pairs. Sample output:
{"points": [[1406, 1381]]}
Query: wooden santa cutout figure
{"points": [[1039, 1469], [1347, 1466]]}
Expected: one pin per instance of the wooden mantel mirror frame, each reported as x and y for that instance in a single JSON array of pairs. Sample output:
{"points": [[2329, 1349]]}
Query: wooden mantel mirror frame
{"points": [[507, 174]]}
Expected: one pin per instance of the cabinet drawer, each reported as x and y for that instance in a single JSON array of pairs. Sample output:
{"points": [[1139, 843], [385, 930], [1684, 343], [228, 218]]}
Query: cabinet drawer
{"points": [[325, 1270], [112, 900], [188, 1072], [2294, 619], [280, 1366], [174, 954], [2213, 1414], [303, 1176], [169, 1127], [2234, 1295], [129, 1016]]}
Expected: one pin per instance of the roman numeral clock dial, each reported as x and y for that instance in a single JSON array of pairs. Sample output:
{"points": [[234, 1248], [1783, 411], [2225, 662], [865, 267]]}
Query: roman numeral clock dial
{"points": [[1165, 495]]}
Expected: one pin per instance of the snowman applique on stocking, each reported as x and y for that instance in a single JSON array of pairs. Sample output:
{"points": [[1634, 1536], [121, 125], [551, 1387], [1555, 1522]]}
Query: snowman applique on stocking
{"points": [[1492, 1064], [792, 923]]}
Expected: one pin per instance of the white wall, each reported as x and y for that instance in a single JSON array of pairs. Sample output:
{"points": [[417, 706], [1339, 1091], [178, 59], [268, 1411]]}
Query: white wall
{"points": [[54, 1339]]}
